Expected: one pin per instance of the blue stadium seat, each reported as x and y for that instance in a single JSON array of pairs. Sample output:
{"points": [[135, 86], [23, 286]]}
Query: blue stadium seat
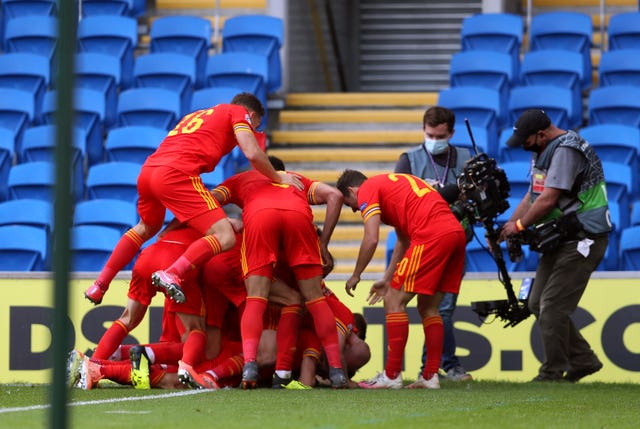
{"points": [[207, 97], [620, 187], [112, 35], [107, 7], [487, 69], [153, 107], [611, 262], [32, 180], [615, 105], [100, 72], [213, 178], [167, 70], [624, 31], [482, 106], [392, 237], [479, 259], [188, 35], [91, 246], [630, 249], [39, 144], [510, 154], [90, 110], [133, 143], [116, 214], [116, 180], [556, 102], [461, 138], [259, 34], [30, 212], [556, 68], [17, 112], [27, 72], [501, 32], [635, 213], [241, 70], [620, 67], [23, 248], [570, 31], [518, 174], [7, 159], [615, 143], [36, 34]]}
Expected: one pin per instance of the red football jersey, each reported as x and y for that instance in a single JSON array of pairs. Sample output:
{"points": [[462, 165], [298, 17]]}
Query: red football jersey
{"points": [[201, 138], [252, 191], [408, 203]]}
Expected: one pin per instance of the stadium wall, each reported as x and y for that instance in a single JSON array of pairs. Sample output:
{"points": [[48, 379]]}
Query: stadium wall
{"points": [[608, 317]]}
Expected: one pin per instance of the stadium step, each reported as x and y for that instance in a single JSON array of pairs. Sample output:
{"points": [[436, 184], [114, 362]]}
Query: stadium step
{"points": [[320, 135]]}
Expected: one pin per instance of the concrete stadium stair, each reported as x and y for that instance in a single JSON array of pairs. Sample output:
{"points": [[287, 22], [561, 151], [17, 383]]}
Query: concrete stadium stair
{"points": [[321, 134]]}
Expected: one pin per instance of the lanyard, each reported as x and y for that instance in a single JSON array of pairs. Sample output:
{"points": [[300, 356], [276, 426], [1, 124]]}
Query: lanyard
{"points": [[435, 168]]}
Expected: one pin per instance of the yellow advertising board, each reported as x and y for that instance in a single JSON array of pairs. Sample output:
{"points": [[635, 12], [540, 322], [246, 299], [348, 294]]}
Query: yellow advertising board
{"points": [[608, 317]]}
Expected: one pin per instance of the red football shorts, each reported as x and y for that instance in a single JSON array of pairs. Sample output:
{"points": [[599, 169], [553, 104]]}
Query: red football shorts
{"points": [[433, 265], [163, 187], [268, 231]]}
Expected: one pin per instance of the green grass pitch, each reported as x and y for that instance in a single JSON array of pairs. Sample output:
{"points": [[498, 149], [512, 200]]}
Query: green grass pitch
{"points": [[477, 405]]}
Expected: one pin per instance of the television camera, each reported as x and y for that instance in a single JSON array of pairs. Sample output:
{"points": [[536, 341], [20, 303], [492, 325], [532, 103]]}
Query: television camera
{"points": [[483, 191]]}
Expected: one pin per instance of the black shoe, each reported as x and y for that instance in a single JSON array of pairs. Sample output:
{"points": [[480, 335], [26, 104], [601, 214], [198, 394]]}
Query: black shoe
{"points": [[338, 380], [249, 375], [574, 375], [279, 382], [545, 378]]}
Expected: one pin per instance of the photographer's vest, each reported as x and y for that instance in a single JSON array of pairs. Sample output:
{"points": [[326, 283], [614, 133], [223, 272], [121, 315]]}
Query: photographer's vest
{"points": [[421, 165], [589, 186]]}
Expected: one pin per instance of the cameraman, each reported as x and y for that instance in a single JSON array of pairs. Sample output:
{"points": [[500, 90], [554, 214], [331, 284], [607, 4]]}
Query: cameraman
{"points": [[566, 177], [439, 163]]}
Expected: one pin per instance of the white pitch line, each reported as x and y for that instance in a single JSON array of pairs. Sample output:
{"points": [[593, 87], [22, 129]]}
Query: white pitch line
{"points": [[107, 401]]}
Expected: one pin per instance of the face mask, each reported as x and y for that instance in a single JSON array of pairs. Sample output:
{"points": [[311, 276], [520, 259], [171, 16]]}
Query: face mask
{"points": [[436, 147], [534, 147]]}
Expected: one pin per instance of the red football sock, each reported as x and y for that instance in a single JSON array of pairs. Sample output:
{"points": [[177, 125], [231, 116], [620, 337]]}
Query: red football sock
{"points": [[122, 254], [397, 334], [119, 372], [251, 326], [324, 322], [111, 340], [433, 336], [196, 254], [287, 336], [156, 372], [167, 352], [229, 367], [194, 345]]}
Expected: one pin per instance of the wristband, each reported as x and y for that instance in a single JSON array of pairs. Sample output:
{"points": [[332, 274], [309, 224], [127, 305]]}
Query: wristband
{"points": [[519, 226]]}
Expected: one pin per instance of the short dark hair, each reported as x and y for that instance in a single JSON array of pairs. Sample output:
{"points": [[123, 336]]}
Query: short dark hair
{"points": [[277, 163], [349, 178], [360, 324], [249, 101], [437, 115]]}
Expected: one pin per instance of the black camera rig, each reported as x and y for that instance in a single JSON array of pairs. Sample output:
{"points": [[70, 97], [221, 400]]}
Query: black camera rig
{"points": [[484, 190]]}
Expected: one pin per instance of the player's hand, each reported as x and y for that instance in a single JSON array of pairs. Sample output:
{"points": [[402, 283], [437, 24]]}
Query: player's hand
{"points": [[508, 229], [327, 261], [351, 284], [290, 179], [378, 291]]}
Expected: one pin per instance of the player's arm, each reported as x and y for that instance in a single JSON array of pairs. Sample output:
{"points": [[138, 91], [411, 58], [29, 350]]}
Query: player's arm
{"points": [[259, 160], [367, 250], [327, 194]]}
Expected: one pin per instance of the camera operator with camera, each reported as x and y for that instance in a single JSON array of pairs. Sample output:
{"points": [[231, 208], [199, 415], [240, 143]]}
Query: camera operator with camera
{"points": [[439, 163], [566, 206]]}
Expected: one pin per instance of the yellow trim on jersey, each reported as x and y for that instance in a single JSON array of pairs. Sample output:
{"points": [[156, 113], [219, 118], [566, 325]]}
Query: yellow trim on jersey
{"points": [[342, 328], [241, 127], [311, 194], [243, 257], [371, 210], [224, 192]]}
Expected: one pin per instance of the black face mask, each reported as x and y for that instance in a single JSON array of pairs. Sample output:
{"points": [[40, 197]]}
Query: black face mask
{"points": [[534, 147]]}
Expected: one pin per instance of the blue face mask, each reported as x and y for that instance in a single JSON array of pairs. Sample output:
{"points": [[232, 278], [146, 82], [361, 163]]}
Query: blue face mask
{"points": [[436, 147]]}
